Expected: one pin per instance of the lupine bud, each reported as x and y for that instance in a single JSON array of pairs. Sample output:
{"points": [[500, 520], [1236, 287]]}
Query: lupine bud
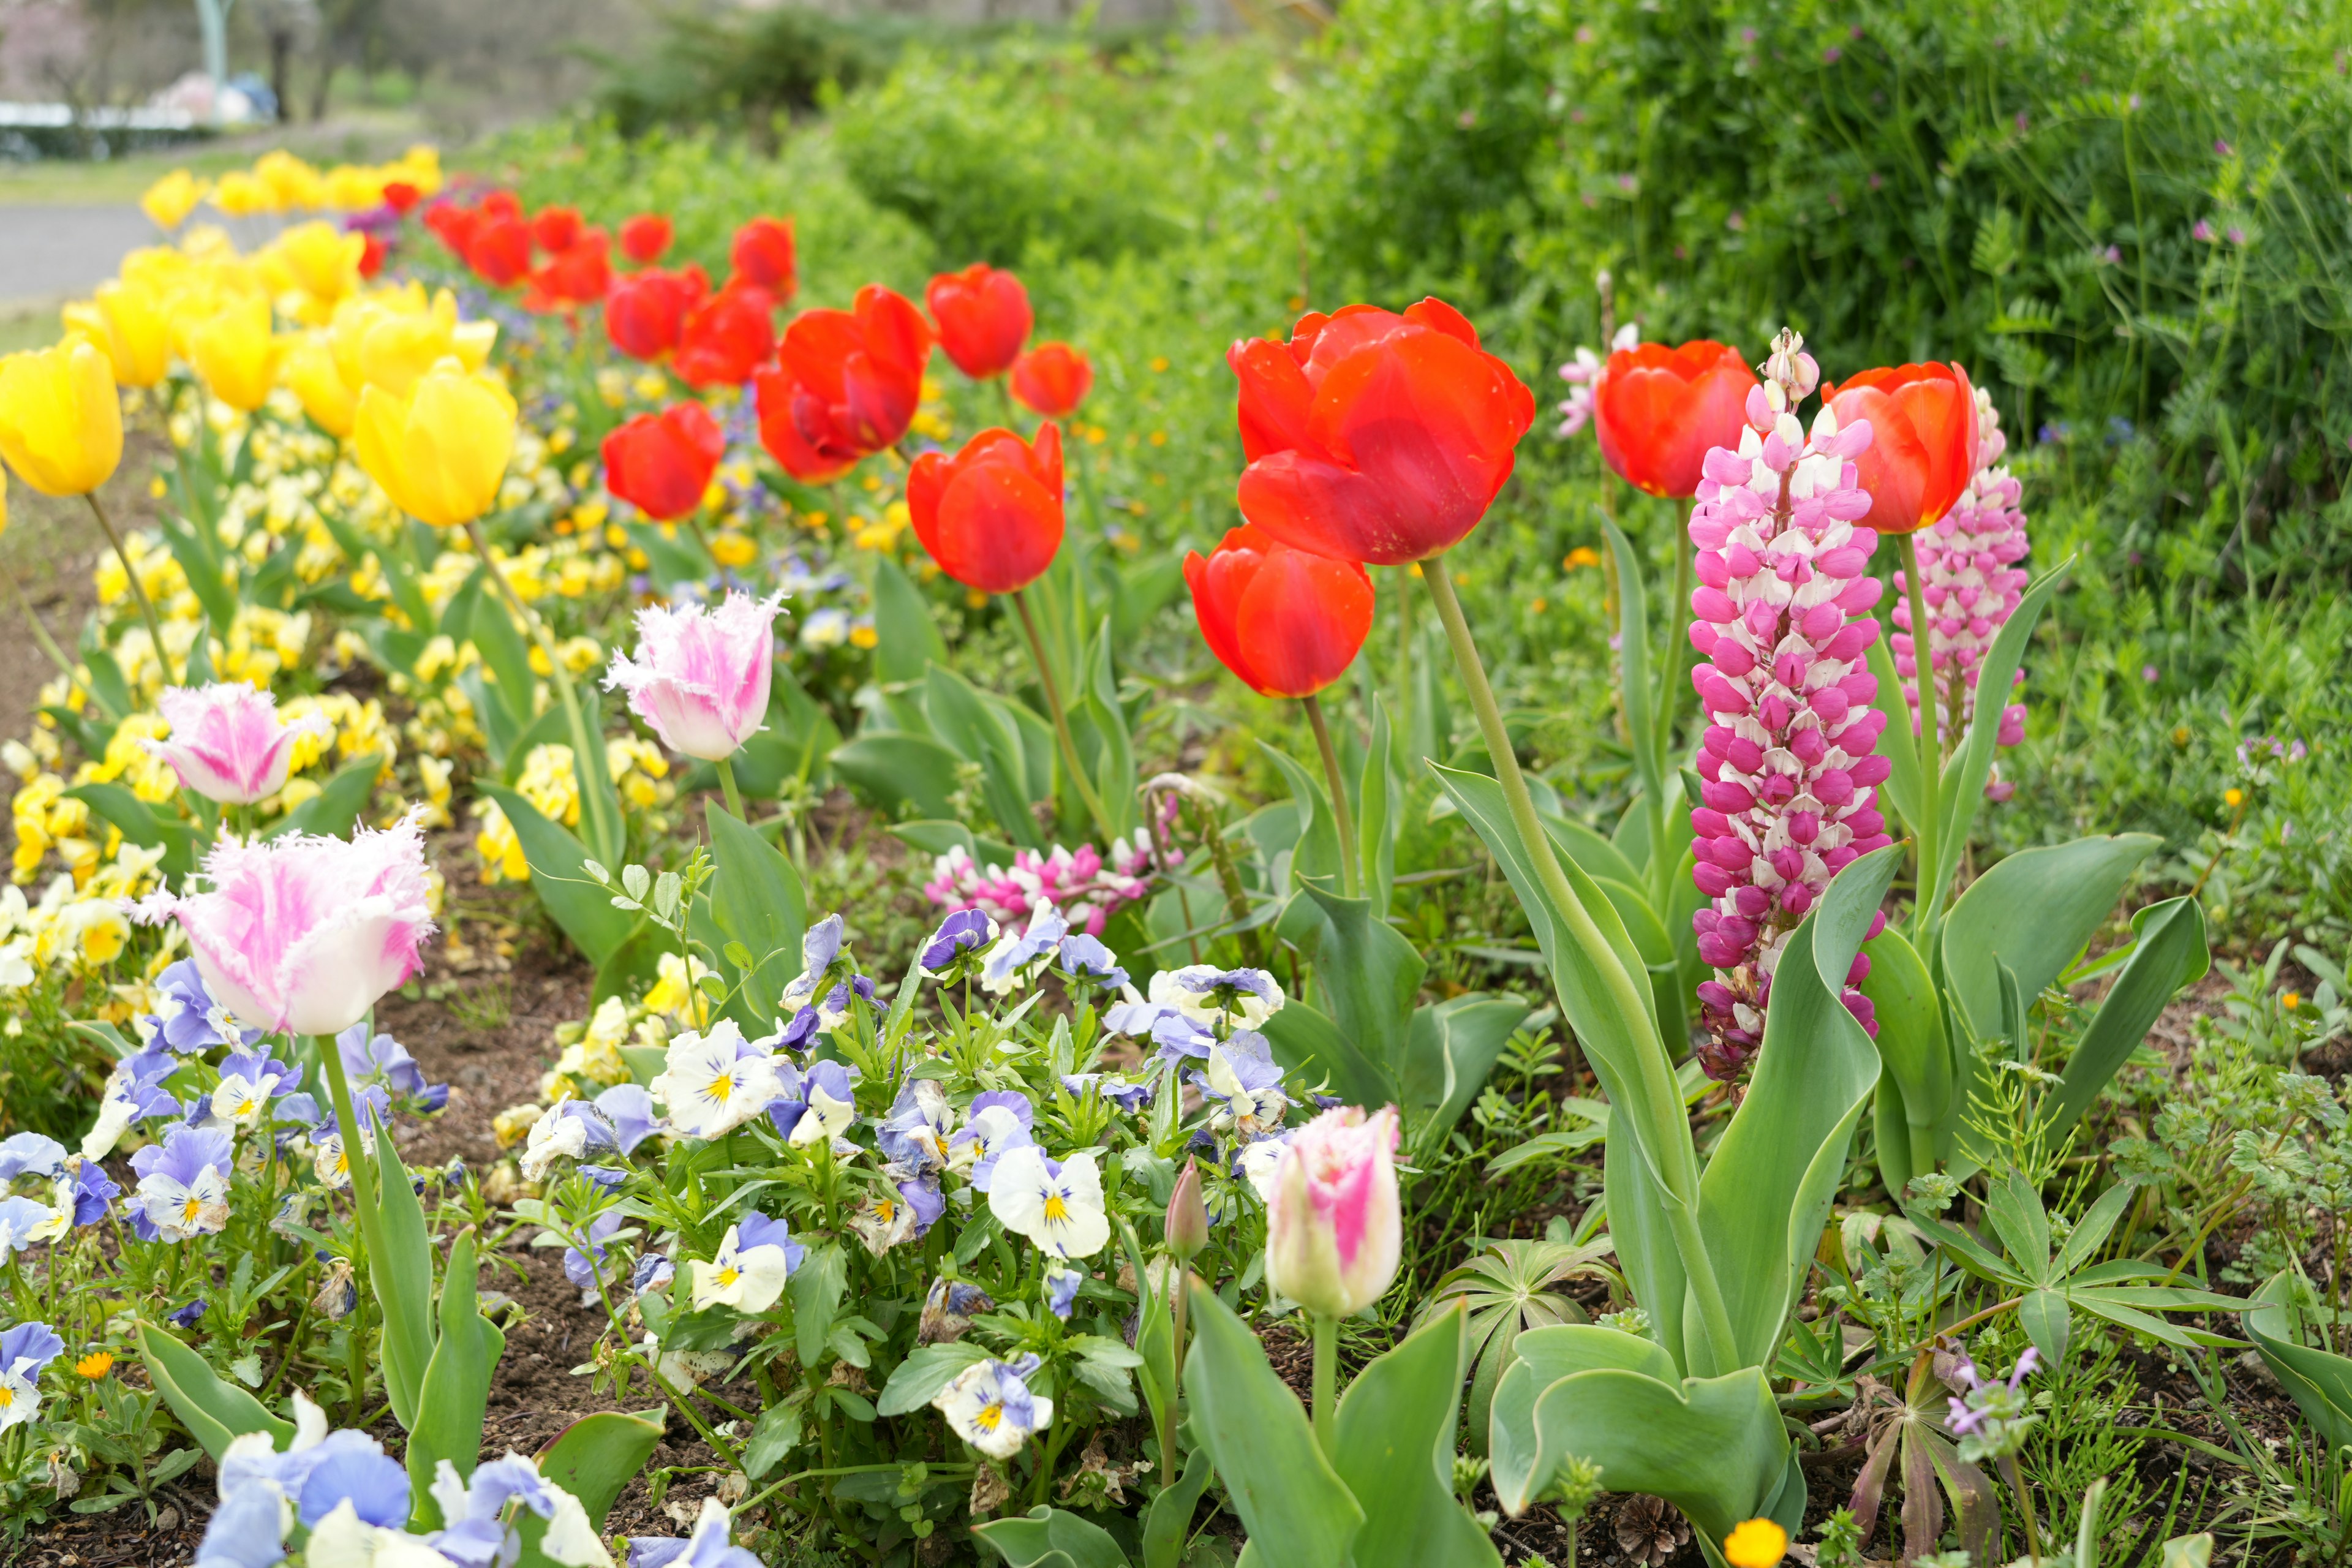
{"points": [[1188, 1217], [1787, 764], [1971, 582]]}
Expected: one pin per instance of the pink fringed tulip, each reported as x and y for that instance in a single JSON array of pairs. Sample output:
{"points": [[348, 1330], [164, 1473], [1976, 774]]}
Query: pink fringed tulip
{"points": [[1334, 1232], [701, 676], [1787, 763], [227, 742], [302, 933], [1970, 579]]}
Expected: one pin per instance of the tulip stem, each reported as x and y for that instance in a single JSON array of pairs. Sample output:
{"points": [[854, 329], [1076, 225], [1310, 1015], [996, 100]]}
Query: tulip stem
{"points": [[591, 801], [1180, 1299], [1350, 873], [1676, 1169], [727, 781], [137, 589], [359, 1160], [1078, 780], [1326, 1377], [40, 632], [1931, 761]]}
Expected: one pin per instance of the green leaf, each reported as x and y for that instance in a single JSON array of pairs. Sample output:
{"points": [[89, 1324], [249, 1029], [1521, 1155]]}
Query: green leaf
{"points": [[1050, 1538], [2034, 912], [1367, 975], [213, 1411], [1296, 1511], [1897, 742], [2014, 1211], [817, 1286], [213, 590], [1961, 793], [2047, 1320], [1450, 1048], [2319, 1381], [579, 905], [982, 730], [331, 812], [1633, 661], [1310, 1045], [906, 640], [776, 1434], [401, 1280], [1316, 858], [1111, 754], [893, 768], [1914, 1053], [1395, 1453], [148, 827], [1379, 807], [1169, 1522], [593, 1459], [457, 1387], [926, 1371], [2091, 1232], [756, 899], [1767, 1189], [1715, 1447], [2169, 952]]}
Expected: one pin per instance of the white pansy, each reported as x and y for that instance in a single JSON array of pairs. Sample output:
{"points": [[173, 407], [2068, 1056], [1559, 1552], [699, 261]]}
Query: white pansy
{"points": [[1057, 1204]]}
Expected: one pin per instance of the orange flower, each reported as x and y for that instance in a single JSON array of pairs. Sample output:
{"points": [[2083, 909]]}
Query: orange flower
{"points": [[983, 317], [1923, 441], [1053, 379], [1658, 411], [662, 463], [1289, 624], [990, 515]]}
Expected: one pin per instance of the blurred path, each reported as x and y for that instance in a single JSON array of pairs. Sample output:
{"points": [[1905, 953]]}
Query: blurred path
{"points": [[47, 252]]}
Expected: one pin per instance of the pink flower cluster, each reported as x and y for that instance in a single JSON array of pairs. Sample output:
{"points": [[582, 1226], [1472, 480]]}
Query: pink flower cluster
{"points": [[1788, 762], [1080, 883], [1969, 577]]}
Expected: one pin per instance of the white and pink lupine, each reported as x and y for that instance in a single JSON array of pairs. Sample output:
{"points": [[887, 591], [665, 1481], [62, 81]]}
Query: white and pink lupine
{"points": [[302, 933], [1970, 576], [1787, 764], [227, 742], [701, 676], [1086, 888], [1334, 1234]]}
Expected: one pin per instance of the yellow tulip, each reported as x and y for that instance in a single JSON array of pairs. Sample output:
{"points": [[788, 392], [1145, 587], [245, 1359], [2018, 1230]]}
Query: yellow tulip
{"points": [[419, 166], [322, 262], [351, 188], [170, 200], [310, 370], [130, 322], [441, 451], [397, 350], [290, 182], [235, 353], [60, 419], [239, 194]]}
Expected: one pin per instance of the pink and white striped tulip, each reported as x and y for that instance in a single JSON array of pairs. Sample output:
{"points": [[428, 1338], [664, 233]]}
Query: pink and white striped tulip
{"points": [[227, 742], [701, 676], [1970, 579], [303, 934], [1334, 1233], [1788, 763]]}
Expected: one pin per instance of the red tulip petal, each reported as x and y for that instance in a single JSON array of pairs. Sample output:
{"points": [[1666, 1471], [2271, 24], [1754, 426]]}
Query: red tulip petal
{"points": [[1301, 620], [997, 527], [1275, 397], [1216, 583]]}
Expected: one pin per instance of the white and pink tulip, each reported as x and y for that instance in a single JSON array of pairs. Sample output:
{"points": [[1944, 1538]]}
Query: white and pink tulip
{"points": [[701, 676], [227, 742], [1334, 1231]]}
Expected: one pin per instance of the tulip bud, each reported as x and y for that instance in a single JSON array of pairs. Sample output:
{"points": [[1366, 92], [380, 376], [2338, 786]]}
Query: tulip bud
{"points": [[1187, 1217], [1334, 1231]]}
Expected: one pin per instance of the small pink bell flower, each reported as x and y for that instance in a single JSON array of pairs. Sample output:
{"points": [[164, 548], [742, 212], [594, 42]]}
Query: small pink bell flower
{"points": [[701, 676], [1334, 1231], [227, 742], [303, 935]]}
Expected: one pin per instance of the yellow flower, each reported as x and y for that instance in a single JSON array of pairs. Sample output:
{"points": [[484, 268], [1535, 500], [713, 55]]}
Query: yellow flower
{"points": [[97, 1363], [732, 548], [61, 420], [2234, 798], [322, 260], [168, 201], [290, 182], [239, 194], [1581, 556], [310, 371], [1755, 1544], [2290, 1000], [511, 1125], [237, 353], [130, 322], [441, 452], [394, 349], [674, 990]]}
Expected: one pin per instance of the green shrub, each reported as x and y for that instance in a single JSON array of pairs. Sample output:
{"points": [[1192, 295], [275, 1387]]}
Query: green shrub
{"points": [[744, 67]]}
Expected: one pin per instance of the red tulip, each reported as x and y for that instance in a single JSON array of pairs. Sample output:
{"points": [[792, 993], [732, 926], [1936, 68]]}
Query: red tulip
{"points": [[371, 259], [501, 204], [1657, 412], [555, 228], [1923, 441], [662, 463], [400, 196], [1053, 379], [780, 433], [983, 317], [646, 311], [990, 515], [1374, 436], [853, 378], [500, 249], [1288, 623], [726, 337], [581, 275], [763, 256], [645, 237], [454, 226]]}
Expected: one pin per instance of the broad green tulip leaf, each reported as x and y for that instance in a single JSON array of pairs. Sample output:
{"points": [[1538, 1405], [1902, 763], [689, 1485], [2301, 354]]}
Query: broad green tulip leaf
{"points": [[213, 590], [1395, 1453], [456, 1388], [1633, 662], [982, 731], [2319, 1381], [505, 651], [2169, 952], [331, 812], [1169, 1522], [1715, 1447], [1914, 1053], [1112, 753], [906, 638], [1050, 1538], [1897, 742], [1316, 856], [1293, 1505], [756, 899], [817, 1286], [1599, 857], [1380, 810], [1368, 974], [2032, 912], [2048, 1321], [593, 1459], [799, 736], [1450, 1048], [402, 1280], [1309, 1043], [213, 1410], [926, 1371], [893, 768], [1767, 1188], [1961, 793], [581, 907], [141, 824]]}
